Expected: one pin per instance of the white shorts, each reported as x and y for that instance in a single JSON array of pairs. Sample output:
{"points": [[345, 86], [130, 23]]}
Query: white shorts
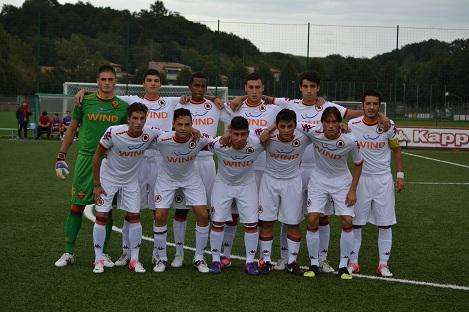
{"points": [[207, 171], [147, 175], [323, 188], [281, 199], [306, 172], [192, 188], [128, 199], [245, 196], [375, 200]]}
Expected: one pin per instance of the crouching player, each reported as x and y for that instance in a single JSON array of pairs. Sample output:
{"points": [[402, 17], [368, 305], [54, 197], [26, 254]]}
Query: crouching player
{"points": [[281, 191], [124, 146], [177, 171], [331, 177], [375, 192], [235, 182]]}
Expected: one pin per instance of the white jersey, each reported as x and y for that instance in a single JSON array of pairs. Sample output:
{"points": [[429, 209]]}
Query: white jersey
{"points": [[374, 145], [235, 167], [331, 155], [205, 118], [259, 117], [178, 157], [309, 114], [124, 153], [284, 158]]}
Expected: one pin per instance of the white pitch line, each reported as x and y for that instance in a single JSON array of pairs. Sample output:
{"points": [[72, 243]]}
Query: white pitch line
{"points": [[438, 160], [438, 183], [88, 212]]}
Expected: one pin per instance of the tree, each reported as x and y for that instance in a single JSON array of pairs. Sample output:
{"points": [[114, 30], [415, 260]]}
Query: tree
{"points": [[183, 77]]}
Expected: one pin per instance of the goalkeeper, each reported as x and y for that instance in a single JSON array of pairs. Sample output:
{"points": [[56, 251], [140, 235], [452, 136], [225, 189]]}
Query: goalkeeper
{"points": [[97, 112]]}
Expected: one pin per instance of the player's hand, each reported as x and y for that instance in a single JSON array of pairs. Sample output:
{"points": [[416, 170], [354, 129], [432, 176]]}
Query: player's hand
{"points": [[351, 198], [383, 122], [61, 167], [265, 136], [79, 97], [399, 184], [321, 100], [236, 103], [268, 99], [225, 139], [196, 134], [184, 99], [344, 128], [97, 192], [219, 103]]}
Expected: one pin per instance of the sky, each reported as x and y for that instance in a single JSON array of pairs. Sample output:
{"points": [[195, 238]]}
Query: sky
{"points": [[259, 21]]}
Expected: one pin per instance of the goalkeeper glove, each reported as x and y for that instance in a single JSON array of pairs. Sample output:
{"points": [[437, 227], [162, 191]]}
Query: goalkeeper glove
{"points": [[61, 167]]}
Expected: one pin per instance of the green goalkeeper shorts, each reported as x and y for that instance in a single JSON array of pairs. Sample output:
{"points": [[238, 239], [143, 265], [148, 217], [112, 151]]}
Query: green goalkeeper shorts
{"points": [[82, 185]]}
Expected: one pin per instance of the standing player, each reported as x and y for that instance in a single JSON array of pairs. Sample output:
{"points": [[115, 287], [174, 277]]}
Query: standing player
{"points": [[97, 112], [205, 118], [235, 182], [332, 178], [280, 194], [375, 193], [260, 116], [178, 170], [123, 147]]}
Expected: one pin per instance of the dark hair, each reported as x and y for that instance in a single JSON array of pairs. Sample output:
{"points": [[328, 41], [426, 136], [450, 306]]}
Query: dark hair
{"points": [[151, 72], [136, 107], [56, 114], [106, 68], [312, 76], [44, 113], [239, 123], [371, 93], [331, 111], [197, 75], [181, 112], [286, 115], [253, 76]]}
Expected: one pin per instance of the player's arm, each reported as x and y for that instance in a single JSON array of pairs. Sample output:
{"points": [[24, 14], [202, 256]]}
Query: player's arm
{"points": [[351, 198], [236, 103], [396, 150], [383, 121], [265, 134], [61, 166], [97, 158]]}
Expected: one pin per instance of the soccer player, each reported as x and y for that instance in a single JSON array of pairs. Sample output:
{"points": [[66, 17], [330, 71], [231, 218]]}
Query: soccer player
{"points": [[259, 116], [97, 112], [235, 183], [375, 192], [332, 178], [178, 170], [205, 118], [280, 194], [123, 147]]}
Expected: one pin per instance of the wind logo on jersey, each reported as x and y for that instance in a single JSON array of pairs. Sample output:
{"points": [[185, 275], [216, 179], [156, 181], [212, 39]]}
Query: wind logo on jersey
{"points": [[296, 143], [136, 147], [340, 143], [307, 116], [370, 137]]}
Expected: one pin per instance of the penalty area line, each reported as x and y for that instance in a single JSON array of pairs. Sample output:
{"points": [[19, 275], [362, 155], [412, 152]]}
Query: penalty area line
{"points": [[88, 213]]}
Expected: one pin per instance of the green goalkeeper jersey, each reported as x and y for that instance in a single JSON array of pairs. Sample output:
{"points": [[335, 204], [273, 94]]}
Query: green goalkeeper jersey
{"points": [[94, 116]]}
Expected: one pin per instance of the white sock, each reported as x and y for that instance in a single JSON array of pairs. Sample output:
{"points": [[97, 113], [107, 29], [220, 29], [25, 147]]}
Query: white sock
{"points": [[159, 234], [283, 241], [293, 249], [216, 240], [357, 242], [266, 249], [201, 238], [312, 241], [179, 231], [135, 239], [384, 245], [125, 238], [324, 237], [346, 246], [230, 232], [99, 235], [250, 244]]}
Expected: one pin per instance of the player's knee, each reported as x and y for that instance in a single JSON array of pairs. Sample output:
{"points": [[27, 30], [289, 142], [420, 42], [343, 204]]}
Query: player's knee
{"points": [[132, 217], [346, 221], [77, 209], [313, 220], [265, 236], [323, 220], [250, 227], [294, 234], [267, 225], [161, 216], [101, 218], [181, 215], [312, 228]]}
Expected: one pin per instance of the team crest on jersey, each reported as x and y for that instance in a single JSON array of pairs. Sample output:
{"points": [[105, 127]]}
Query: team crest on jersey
{"points": [[157, 198], [379, 130], [115, 104], [262, 108], [192, 145], [208, 106], [296, 143], [308, 203], [249, 150], [318, 108], [99, 201], [145, 137], [340, 143], [178, 198], [162, 103]]}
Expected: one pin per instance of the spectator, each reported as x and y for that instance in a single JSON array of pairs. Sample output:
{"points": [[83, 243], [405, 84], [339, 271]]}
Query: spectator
{"points": [[66, 121], [56, 124], [22, 116], [44, 125]]}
